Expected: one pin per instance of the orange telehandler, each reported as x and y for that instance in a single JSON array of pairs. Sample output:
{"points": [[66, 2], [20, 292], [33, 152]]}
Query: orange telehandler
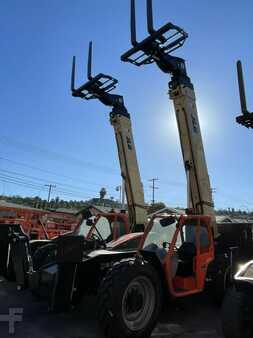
{"points": [[178, 256], [237, 307], [119, 231]]}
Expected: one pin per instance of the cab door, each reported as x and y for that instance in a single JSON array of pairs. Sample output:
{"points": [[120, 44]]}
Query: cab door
{"points": [[205, 250], [193, 245]]}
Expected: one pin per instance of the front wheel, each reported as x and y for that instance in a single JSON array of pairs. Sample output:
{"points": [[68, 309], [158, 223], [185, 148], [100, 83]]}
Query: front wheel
{"points": [[129, 300], [237, 315]]}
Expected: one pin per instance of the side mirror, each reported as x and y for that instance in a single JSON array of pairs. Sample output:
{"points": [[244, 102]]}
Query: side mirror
{"points": [[89, 222], [167, 221]]}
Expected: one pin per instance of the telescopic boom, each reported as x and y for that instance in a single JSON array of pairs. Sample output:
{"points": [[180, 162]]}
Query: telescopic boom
{"points": [[99, 87], [157, 48]]}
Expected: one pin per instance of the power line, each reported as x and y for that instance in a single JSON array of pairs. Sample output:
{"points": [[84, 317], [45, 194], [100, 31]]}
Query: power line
{"points": [[19, 184], [33, 188], [173, 183], [45, 180], [53, 173], [37, 187], [20, 181], [55, 155]]}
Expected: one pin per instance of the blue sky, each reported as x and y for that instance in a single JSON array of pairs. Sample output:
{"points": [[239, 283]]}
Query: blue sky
{"points": [[49, 137]]}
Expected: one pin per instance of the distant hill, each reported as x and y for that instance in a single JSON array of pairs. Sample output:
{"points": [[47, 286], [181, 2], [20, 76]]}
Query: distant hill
{"points": [[56, 203]]}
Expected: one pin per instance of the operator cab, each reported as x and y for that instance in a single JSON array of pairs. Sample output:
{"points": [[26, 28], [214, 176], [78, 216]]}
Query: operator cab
{"points": [[83, 227], [187, 245], [105, 227], [159, 238], [109, 227], [184, 246]]}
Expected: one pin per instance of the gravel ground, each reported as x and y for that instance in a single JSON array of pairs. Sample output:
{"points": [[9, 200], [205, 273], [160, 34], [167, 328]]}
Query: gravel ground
{"points": [[192, 318]]}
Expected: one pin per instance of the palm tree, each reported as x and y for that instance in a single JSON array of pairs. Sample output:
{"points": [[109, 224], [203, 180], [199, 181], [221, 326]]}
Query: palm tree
{"points": [[102, 193]]}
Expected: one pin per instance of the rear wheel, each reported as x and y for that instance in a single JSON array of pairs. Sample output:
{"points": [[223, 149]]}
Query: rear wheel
{"points": [[220, 283], [237, 315], [129, 300]]}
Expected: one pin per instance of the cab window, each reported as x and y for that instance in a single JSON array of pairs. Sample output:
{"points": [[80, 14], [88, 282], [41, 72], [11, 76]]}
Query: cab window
{"points": [[159, 235], [120, 226], [103, 228], [83, 229], [190, 235]]}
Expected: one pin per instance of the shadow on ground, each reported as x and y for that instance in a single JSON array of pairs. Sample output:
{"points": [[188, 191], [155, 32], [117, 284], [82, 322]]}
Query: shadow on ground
{"points": [[192, 318]]}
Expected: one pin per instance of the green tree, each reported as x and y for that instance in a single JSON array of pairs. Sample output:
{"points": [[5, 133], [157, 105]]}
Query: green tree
{"points": [[102, 193]]}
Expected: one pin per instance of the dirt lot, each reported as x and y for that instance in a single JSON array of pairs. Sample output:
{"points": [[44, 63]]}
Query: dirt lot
{"points": [[194, 318]]}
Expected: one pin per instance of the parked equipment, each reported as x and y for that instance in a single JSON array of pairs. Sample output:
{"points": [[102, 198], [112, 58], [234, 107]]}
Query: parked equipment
{"points": [[99, 87], [23, 230], [237, 307], [37, 223], [22, 258], [78, 265], [11, 267], [60, 276], [173, 261]]}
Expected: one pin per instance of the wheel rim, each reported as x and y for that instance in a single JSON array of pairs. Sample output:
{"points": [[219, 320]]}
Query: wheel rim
{"points": [[138, 303]]}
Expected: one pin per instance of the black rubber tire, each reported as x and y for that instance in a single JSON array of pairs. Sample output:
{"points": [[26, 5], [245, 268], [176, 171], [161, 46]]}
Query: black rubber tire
{"points": [[219, 286], [111, 294], [236, 306], [44, 255]]}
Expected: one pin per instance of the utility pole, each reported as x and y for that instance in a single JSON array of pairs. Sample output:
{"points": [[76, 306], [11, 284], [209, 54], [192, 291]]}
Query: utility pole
{"points": [[50, 186], [153, 187], [123, 191], [119, 189]]}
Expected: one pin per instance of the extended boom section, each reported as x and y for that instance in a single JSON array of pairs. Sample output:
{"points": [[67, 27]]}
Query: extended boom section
{"points": [[199, 188], [157, 48], [129, 169], [99, 87]]}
